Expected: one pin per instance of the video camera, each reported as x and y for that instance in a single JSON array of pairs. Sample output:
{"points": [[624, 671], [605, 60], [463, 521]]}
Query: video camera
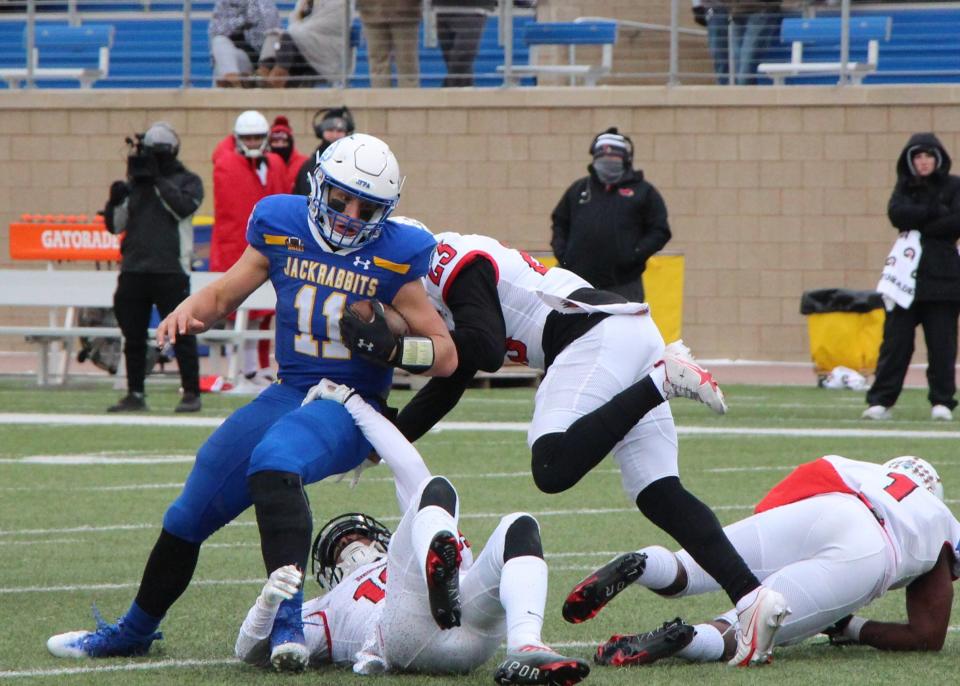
{"points": [[141, 161]]}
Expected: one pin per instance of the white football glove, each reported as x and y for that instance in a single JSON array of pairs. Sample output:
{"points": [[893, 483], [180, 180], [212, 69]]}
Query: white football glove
{"points": [[282, 585], [357, 471], [328, 390]]}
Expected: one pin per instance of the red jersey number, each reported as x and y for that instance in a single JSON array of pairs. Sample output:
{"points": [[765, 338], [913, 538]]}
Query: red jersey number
{"points": [[373, 590], [446, 254], [517, 351], [535, 265], [901, 487]]}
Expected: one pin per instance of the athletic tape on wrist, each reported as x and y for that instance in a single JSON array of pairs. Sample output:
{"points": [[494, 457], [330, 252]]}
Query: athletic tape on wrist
{"points": [[853, 628], [416, 353]]}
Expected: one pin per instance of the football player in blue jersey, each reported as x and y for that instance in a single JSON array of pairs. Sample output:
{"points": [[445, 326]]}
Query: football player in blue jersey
{"points": [[321, 253]]}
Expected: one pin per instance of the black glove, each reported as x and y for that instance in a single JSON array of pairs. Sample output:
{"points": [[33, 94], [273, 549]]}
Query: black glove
{"points": [[700, 15], [835, 633], [119, 190], [373, 340]]}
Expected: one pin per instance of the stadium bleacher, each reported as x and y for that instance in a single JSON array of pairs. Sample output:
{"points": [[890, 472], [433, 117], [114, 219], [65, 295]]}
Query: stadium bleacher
{"points": [[922, 48], [148, 52]]}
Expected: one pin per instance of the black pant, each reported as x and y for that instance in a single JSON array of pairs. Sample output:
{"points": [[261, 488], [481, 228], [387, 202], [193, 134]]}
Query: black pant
{"points": [[136, 294], [290, 58], [939, 321], [459, 38]]}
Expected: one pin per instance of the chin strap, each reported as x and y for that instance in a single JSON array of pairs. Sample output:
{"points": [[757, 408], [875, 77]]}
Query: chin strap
{"points": [[415, 354]]}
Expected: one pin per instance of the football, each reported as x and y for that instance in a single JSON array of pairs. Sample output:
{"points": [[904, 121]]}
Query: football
{"points": [[395, 321]]}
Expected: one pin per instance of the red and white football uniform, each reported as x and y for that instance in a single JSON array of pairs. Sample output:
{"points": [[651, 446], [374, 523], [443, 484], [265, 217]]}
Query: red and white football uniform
{"points": [[381, 611], [833, 536], [519, 280], [602, 362]]}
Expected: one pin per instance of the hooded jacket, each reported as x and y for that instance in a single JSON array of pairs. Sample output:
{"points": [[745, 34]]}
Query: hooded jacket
{"points": [[605, 233], [236, 189], [155, 216], [931, 205]]}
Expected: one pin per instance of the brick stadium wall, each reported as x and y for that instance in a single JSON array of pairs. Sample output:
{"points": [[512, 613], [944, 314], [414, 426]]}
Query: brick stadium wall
{"points": [[770, 191]]}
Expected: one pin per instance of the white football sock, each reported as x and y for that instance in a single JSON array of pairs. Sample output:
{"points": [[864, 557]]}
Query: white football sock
{"points": [[706, 646], [659, 376], [523, 594], [426, 524], [661, 568]]}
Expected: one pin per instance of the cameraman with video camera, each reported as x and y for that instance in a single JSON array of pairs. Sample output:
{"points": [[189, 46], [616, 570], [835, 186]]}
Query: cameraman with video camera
{"points": [[154, 206]]}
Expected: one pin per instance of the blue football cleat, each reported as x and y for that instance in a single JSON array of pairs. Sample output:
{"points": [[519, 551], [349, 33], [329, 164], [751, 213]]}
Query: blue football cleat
{"points": [[289, 651], [108, 640]]}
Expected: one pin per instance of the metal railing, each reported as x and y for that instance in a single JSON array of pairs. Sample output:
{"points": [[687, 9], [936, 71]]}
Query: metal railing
{"points": [[661, 46]]}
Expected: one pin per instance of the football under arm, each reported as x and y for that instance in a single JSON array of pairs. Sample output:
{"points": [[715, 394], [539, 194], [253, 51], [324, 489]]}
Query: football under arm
{"points": [[929, 598], [408, 467], [412, 302]]}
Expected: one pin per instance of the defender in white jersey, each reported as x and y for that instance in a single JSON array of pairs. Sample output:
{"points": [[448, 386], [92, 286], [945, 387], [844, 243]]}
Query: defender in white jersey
{"points": [[417, 601], [832, 537], [607, 377]]}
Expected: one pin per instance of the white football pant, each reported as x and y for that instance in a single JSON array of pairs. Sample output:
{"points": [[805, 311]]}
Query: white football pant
{"points": [[613, 355], [827, 555]]}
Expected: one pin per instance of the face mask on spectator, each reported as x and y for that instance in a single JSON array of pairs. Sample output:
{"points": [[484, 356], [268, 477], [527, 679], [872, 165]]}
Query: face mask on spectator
{"points": [[609, 169]]}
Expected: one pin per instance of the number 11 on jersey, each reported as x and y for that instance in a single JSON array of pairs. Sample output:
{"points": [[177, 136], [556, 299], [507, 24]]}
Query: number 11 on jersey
{"points": [[305, 342]]}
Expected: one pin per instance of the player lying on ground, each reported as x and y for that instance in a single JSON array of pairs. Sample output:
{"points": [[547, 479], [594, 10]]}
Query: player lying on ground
{"points": [[321, 254], [832, 537], [607, 377], [416, 601]]}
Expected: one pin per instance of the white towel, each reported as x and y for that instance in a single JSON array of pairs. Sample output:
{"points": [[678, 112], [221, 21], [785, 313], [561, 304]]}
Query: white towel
{"points": [[898, 282]]}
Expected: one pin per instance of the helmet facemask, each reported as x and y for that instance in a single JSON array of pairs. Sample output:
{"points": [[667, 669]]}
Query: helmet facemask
{"points": [[329, 201], [346, 543]]}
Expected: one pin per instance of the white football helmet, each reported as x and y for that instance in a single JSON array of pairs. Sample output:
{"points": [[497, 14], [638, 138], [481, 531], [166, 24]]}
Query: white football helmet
{"points": [[919, 471], [361, 166], [251, 123]]}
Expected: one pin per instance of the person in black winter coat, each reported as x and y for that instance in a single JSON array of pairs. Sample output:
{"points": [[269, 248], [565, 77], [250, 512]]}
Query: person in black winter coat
{"points": [[153, 207], [609, 223], [329, 126], [926, 198]]}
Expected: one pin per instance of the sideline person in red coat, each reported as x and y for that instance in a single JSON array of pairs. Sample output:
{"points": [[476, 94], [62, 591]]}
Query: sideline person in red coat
{"points": [[281, 143], [244, 172]]}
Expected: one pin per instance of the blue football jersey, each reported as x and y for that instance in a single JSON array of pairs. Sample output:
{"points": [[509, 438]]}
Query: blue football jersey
{"points": [[315, 286]]}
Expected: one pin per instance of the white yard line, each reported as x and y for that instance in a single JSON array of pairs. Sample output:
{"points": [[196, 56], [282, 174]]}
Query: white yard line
{"points": [[127, 667], [9, 590], [394, 518], [102, 420]]}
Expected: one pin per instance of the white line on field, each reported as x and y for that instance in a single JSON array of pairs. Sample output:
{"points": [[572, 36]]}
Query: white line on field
{"points": [[392, 518], [98, 420], [128, 667], [181, 664], [6, 590], [82, 459]]}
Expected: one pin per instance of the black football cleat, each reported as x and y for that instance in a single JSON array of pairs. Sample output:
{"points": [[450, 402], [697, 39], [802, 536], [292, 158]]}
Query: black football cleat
{"points": [[443, 579], [533, 664], [644, 649], [593, 593]]}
